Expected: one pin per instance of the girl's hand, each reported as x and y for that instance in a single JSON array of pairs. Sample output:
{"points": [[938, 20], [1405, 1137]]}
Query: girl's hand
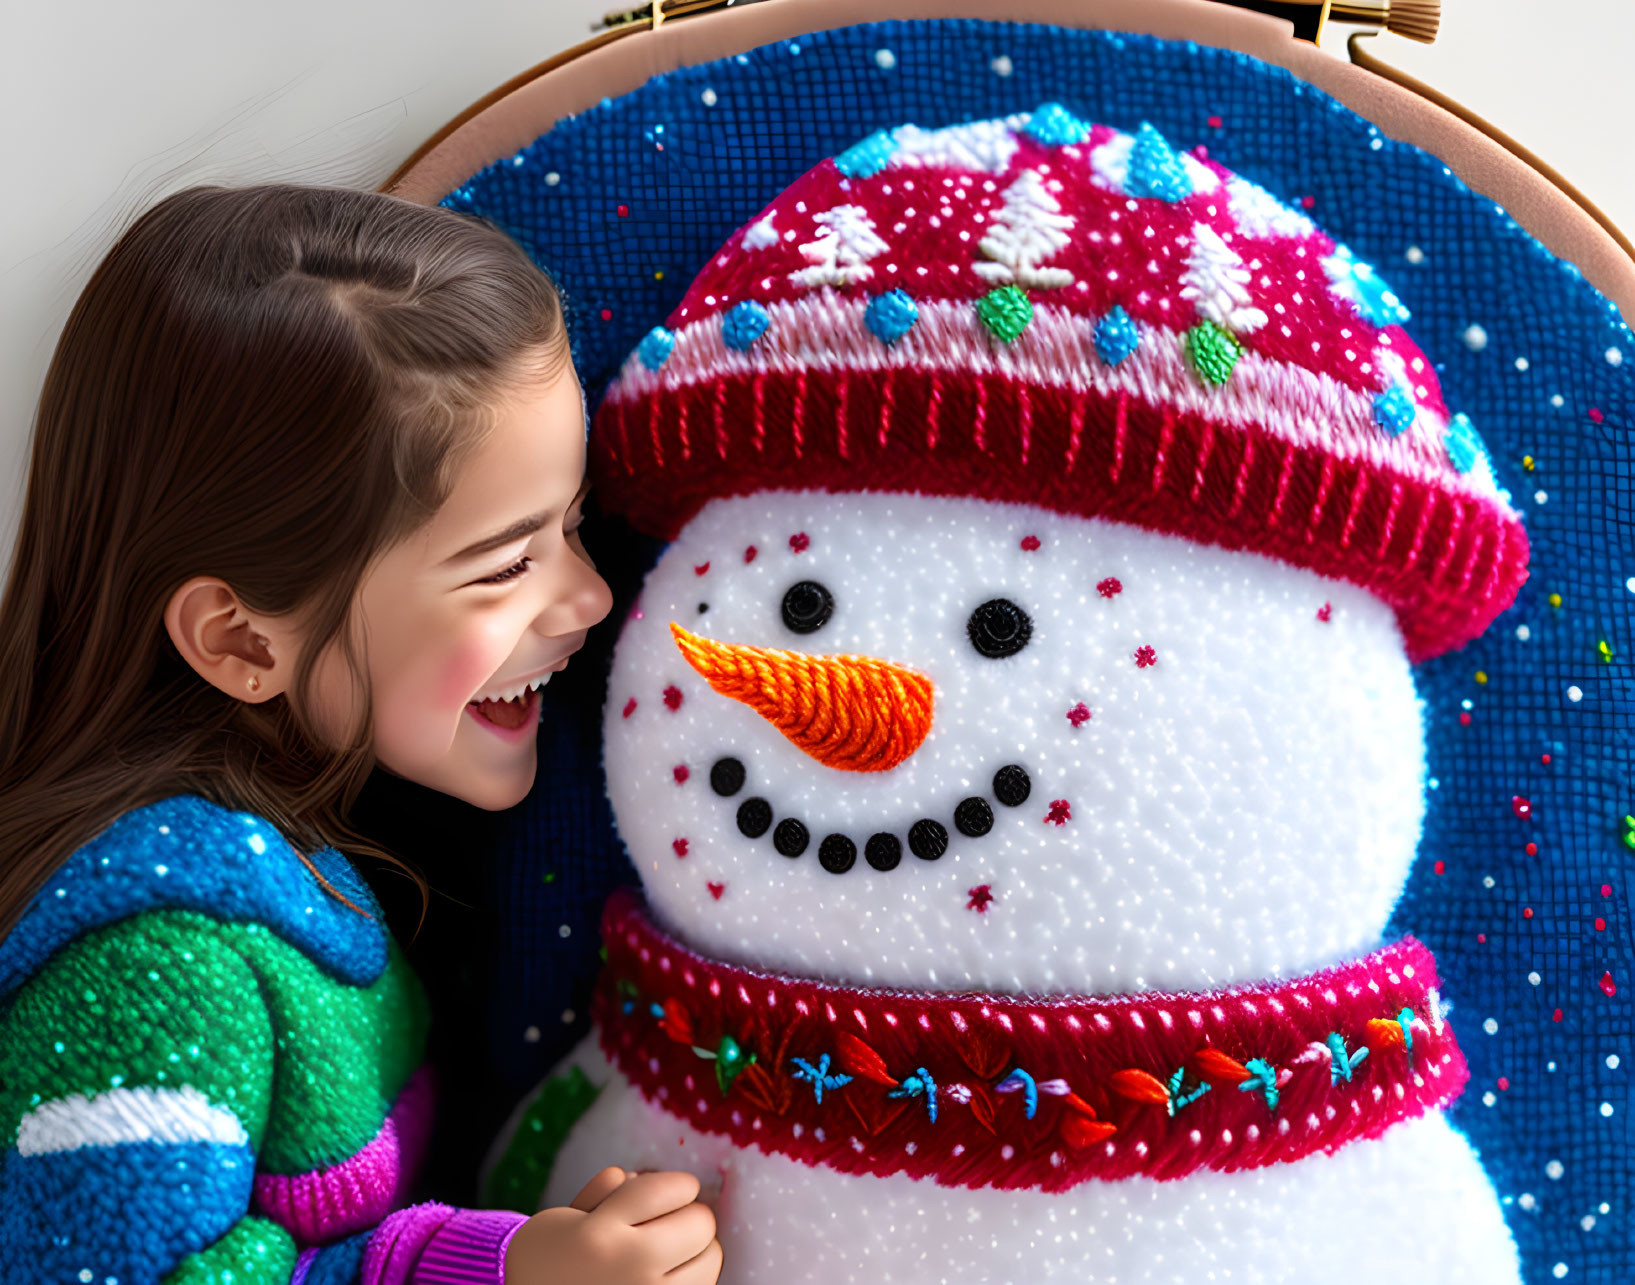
{"points": [[622, 1229]]}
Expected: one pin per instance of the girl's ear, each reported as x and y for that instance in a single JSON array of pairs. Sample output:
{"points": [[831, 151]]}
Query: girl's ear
{"points": [[241, 652]]}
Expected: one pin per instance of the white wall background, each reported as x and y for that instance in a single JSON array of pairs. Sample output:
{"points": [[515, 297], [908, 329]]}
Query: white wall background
{"points": [[109, 105]]}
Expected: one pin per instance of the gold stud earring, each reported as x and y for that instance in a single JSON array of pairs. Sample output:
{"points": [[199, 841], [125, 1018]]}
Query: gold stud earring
{"points": [[255, 683]]}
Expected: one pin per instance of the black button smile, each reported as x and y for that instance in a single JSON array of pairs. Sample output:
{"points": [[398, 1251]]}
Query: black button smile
{"points": [[837, 853]]}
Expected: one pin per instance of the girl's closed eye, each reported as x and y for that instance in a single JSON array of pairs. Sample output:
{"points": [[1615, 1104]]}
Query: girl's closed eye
{"points": [[510, 573], [576, 519]]}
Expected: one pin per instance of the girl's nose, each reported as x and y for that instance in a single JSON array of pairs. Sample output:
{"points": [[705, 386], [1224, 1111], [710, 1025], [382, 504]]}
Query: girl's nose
{"points": [[577, 603]]}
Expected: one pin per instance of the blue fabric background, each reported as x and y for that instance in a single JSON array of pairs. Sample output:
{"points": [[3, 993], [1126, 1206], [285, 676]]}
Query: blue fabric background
{"points": [[694, 153]]}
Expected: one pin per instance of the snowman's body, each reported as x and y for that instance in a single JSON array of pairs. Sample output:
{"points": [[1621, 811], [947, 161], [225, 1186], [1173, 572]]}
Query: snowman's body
{"points": [[1238, 746]]}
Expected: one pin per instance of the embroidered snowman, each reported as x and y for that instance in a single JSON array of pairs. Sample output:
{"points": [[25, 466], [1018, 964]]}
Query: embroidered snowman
{"points": [[1017, 740]]}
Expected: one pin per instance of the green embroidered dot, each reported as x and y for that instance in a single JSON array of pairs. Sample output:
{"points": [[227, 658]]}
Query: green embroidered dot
{"points": [[730, 1062], [1005, 311], [1212, 352]]}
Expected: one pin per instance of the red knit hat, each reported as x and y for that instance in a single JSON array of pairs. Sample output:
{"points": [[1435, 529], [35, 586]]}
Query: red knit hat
{"points": [[1041, 310]]}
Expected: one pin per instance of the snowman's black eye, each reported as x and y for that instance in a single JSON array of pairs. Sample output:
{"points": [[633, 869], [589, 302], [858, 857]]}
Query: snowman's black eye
{"points": [[807, 607], [999, 628]]}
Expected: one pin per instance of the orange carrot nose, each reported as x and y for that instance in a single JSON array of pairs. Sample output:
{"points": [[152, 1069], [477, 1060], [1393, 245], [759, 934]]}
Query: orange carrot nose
{"points": [[855, 713]]}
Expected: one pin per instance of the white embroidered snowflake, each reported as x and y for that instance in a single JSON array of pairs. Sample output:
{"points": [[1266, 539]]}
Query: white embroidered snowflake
{"points": [[1217, 283], [1030, 228], [1260, 214], [846, 240]]}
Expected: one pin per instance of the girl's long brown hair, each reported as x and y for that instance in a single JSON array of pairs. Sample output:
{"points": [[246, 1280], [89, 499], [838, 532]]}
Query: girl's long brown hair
{"points": [[271, 385]]}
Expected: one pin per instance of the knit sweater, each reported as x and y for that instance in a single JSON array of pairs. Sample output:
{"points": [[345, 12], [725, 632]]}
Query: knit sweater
{"points": [[210, 1071]]}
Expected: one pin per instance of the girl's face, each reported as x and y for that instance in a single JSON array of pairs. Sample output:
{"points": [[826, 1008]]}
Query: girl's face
{"points": [[494, 591]]}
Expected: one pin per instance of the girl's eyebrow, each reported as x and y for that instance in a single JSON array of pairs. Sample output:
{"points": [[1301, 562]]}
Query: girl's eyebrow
{"points": [[518, 529]]}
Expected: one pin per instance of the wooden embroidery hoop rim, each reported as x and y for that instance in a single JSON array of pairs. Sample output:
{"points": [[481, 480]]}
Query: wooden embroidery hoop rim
{"points": [[618, 62]]}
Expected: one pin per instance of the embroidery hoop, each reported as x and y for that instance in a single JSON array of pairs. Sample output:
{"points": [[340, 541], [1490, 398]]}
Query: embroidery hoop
{"points": [[571, 93]]}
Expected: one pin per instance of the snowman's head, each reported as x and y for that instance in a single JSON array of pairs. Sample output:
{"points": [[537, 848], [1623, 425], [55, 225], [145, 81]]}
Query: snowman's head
{"points": [[940, 742], [1055, 518]]}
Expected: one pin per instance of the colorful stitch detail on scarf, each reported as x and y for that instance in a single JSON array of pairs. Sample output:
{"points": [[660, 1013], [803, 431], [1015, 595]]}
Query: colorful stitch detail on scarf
{"points": [[987, 1090]]}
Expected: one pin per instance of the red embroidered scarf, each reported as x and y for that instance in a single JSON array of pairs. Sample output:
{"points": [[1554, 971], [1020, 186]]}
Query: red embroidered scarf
{"points": [[988, 1090]]}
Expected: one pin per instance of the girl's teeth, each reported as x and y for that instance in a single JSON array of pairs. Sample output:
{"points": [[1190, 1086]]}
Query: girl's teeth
{"points": [[516, 692]]}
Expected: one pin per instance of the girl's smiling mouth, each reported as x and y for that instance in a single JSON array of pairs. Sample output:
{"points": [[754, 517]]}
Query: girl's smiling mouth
{"points": [[512, 711], [511, 720]]}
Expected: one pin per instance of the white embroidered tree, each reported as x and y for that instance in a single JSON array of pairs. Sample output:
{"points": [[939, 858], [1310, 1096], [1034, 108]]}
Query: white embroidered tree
{"points": [[1029, 229], [978, 145], [760, 234], [1259, 213], [1218, 284], [846, 240]]}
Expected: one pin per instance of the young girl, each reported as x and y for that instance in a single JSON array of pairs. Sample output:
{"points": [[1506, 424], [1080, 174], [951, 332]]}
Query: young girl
{"points": [[306, 477]]}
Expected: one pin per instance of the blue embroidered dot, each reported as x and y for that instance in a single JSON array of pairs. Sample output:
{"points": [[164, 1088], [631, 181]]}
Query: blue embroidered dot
{"points": [[1155, 169], [1464, 443], [1116, 336], [1394, 411], [890, 316], [1053, 125], [744, 324], [655, 347], [868, 158]]}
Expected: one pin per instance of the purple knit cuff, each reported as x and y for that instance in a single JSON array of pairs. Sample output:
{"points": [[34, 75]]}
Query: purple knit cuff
{"points": [[469, 1249], [394, 1249]]}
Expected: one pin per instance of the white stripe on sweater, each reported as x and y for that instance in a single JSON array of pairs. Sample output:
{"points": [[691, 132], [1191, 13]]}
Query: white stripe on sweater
{"points": [[127, 1115]]}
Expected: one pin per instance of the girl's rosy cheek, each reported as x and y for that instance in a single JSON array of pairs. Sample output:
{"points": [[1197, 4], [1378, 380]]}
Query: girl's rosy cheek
{"points": [[465, 670]]}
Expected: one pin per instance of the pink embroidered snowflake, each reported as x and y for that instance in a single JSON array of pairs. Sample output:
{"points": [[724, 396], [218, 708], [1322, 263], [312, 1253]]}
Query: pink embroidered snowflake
{"points": [[680, 846], [1110, 587], [749, 553], [1145, 657], [1030, 543], [681, 772], [716, 889], [1060, 813], [800, 542], [672, 698], [980, 897], [1079, 715], [1326, 612]]}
